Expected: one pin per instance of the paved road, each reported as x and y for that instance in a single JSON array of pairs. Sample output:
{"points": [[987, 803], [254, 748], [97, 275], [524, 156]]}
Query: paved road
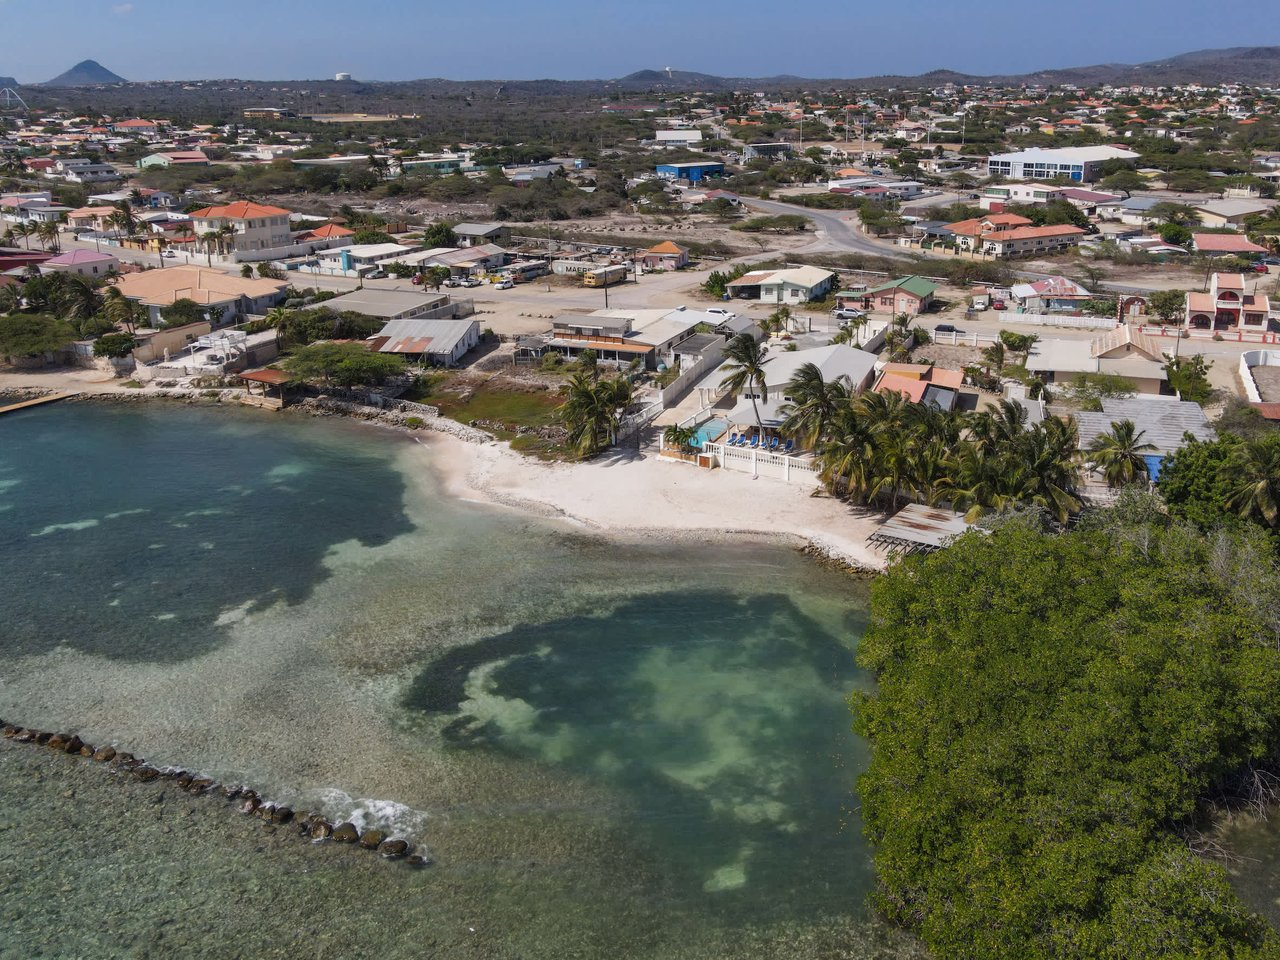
{"points": [[839, 230]]}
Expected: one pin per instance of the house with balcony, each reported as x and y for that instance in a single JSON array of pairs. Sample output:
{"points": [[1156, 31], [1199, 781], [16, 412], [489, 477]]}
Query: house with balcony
{"points": [[998, 197], [1031, 241], [255, 227], [968, 234], [1228, 306]]}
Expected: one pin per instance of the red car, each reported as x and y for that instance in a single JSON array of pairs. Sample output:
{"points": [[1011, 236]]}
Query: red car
{"points": [[1259, 268], [997, 305]]}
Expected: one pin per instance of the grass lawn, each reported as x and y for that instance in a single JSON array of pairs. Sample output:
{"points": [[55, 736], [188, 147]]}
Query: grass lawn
{"points": [[512, 406]]}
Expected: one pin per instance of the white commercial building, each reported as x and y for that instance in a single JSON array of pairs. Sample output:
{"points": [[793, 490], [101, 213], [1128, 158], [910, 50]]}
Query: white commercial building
{"points": [[1083, 164]]}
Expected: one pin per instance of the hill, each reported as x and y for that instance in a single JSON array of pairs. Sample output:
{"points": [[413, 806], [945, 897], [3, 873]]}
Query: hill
{"points": [[86, 73], [8, 82]]}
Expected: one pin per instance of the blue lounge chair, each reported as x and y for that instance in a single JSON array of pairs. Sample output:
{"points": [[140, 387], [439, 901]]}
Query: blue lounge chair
{"points": [[773, 444], [731, 441], [755, 442], [789, 447]]}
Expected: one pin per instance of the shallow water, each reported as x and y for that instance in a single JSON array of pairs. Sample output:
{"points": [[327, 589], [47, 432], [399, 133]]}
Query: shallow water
{"points": [[634, 750]]}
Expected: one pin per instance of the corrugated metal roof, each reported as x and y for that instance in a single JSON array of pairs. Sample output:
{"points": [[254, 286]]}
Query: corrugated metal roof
{"points": [[1163, 421], [917, 527]]}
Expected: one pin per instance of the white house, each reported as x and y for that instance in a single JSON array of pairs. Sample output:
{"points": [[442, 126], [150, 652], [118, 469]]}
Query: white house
{"points": [[795, 285], [257, 226], [833, 361]]}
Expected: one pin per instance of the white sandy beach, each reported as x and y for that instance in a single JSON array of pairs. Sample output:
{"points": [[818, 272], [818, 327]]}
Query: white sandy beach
{"points": [[640, 494]]}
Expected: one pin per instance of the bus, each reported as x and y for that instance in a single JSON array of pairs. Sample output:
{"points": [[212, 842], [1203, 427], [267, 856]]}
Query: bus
{"points": [[606, 276]]}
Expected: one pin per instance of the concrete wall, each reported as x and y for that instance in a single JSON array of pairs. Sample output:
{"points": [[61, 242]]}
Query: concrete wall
{"points": [[174, 339]]}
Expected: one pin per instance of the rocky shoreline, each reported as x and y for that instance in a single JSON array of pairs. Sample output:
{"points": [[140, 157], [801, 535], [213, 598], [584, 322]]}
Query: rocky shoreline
{"points": [[309, 826]]}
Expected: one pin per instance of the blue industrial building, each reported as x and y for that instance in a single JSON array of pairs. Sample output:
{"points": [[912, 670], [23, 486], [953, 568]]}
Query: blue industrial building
{"points": [[693, 172]]}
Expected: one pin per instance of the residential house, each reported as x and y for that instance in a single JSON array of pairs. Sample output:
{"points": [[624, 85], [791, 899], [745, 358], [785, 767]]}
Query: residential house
{"points": [[969, 234], [665, 256], [1050, 295], [922, 383], [1032, 241], [362, 257], [1090, 202], [998, 197], [388, 304], [1225, 245], [80, 170], [222, 295], [791, 286], [1228, 213], [440, 342], [1163, 422], [85, 263], [325, 237], [906, 295], [475, 234], [148, 129], [1227, 305], [255, 226], [1122, 352], [833, 362], [174, 158]]}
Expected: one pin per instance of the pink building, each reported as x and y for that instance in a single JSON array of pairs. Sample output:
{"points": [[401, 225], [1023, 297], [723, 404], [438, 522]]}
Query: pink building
{"points": [[1227, 306]]}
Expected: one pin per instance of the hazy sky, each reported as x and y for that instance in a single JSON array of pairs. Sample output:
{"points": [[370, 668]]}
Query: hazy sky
{"points": [[577, 39]]}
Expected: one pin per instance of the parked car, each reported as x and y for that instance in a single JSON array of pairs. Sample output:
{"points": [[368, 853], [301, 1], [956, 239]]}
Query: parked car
{"points": [[947, 328], [503, 285], [1259, 267], [376, 275], [167, 254], [997, 305], [470, 282], [1271, 261], [847, 313], [453, 282]]}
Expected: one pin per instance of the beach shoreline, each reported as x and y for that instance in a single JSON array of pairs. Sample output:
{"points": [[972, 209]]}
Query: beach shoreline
{"points": [[628, 496]]}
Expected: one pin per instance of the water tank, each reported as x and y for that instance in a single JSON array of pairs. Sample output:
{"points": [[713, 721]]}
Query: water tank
{"points": [[342, 76]]}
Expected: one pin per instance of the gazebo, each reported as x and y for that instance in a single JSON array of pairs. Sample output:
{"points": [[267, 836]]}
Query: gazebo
{"points": [[272, 383]]}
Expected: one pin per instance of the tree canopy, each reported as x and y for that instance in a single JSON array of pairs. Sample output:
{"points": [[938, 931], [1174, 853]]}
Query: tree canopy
{"points": [[347, 364], [1049, 713], [32, 335]]}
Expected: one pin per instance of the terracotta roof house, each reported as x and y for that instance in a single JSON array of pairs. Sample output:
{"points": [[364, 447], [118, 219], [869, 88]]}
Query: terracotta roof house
{"points": [[665, 256], [223, 294], [175, 158], [1031, 240], [1226, 306], [1224, 244], [969, 233], [257, 227]]}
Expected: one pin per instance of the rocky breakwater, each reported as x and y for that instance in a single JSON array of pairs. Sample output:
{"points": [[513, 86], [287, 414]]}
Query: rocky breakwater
{"points": [[307, 825]]}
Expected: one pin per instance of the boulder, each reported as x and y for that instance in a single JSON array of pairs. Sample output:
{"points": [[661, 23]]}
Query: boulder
{"points": [[43, 737], [372, 839], [25, 736], [86, 750], [321, 829], [200, 784], [345, 833], [146, 774], [73, 745], [249, 805], [104, 754], [123, 757], [391, 849], [10, 731], [184, 780], [418, 861], [56, 742], [281, 815], [230, 792]]}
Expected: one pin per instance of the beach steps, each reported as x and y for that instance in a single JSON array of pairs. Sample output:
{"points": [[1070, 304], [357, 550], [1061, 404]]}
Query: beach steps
{"points": [[36, 401]]}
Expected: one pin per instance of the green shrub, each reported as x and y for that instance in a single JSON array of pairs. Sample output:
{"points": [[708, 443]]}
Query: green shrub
{"points": [[414, 423]]}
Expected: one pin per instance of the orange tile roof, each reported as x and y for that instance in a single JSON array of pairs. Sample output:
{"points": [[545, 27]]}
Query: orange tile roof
{"points": [[240, 210], [1031, 233], [329, 230], [976, 226], [666, 246]]}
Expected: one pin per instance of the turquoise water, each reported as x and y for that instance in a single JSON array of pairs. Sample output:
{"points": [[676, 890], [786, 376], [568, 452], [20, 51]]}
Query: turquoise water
{"points": [[608, 749], [709, 432]]}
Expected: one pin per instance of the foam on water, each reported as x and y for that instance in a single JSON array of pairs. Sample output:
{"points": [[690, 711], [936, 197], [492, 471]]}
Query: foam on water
{"points": [[59, 527]]}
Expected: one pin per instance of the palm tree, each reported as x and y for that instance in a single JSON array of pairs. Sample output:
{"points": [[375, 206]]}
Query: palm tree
{"points": [[1029, 341], [592, 411], [75, 300], [746, 370], [47, 231], [1118, 453], [813, 403], [1254, 478], [679, 437], [10, 298], [211, 241], [993, 356], [123, 218], [119, 309], [847, 456]]}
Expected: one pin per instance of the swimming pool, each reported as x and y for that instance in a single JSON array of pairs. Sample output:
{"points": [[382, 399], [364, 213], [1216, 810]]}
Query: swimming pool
{"points": [[709, 432]]}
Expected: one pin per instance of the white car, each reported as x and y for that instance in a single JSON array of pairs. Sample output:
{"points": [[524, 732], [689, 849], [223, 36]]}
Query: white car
{"points": [[168, 254], [503, 285]]}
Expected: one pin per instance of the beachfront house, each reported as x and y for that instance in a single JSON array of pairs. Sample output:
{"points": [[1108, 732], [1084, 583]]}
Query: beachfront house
{"points": [[441, 342], [833, 361]]}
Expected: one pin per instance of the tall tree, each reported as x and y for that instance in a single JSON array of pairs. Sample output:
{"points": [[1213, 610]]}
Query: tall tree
{"points": [[745, 371], [1118, 453]]}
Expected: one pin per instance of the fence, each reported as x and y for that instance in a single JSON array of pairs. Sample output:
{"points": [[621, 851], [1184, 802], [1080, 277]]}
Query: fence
{"points": [[758, 463], [1055, 320], [968, 339], [1237, 336], [1256, 358], [633, 423], [674, 391]]}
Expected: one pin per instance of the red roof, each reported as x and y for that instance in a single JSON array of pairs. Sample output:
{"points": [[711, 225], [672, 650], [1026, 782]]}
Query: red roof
{"points": [[1031, 233], [240, 210], [1269, 410], [326, 232], [1225, 243]]}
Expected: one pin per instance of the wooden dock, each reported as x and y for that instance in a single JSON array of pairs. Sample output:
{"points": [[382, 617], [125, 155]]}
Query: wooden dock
{"points": [[36, 401]]}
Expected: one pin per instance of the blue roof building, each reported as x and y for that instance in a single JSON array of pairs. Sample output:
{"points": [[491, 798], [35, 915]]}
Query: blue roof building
{"points": [[693, 172]]}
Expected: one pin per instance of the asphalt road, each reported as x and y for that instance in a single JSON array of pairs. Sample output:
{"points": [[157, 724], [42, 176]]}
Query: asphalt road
{"points": [[839, 231]]}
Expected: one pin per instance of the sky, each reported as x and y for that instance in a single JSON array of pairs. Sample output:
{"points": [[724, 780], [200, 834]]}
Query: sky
{"points": [[586, 39]]}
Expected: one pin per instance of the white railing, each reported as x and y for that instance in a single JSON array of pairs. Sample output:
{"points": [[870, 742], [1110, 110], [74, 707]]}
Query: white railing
{"points": [[761, 463], [957, 338], [1195, 333], [1056, 320], [1256, 358]]}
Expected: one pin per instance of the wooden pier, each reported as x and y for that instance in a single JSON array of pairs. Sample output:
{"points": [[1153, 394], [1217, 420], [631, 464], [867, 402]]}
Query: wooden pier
{"points": [[36, 401]]}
